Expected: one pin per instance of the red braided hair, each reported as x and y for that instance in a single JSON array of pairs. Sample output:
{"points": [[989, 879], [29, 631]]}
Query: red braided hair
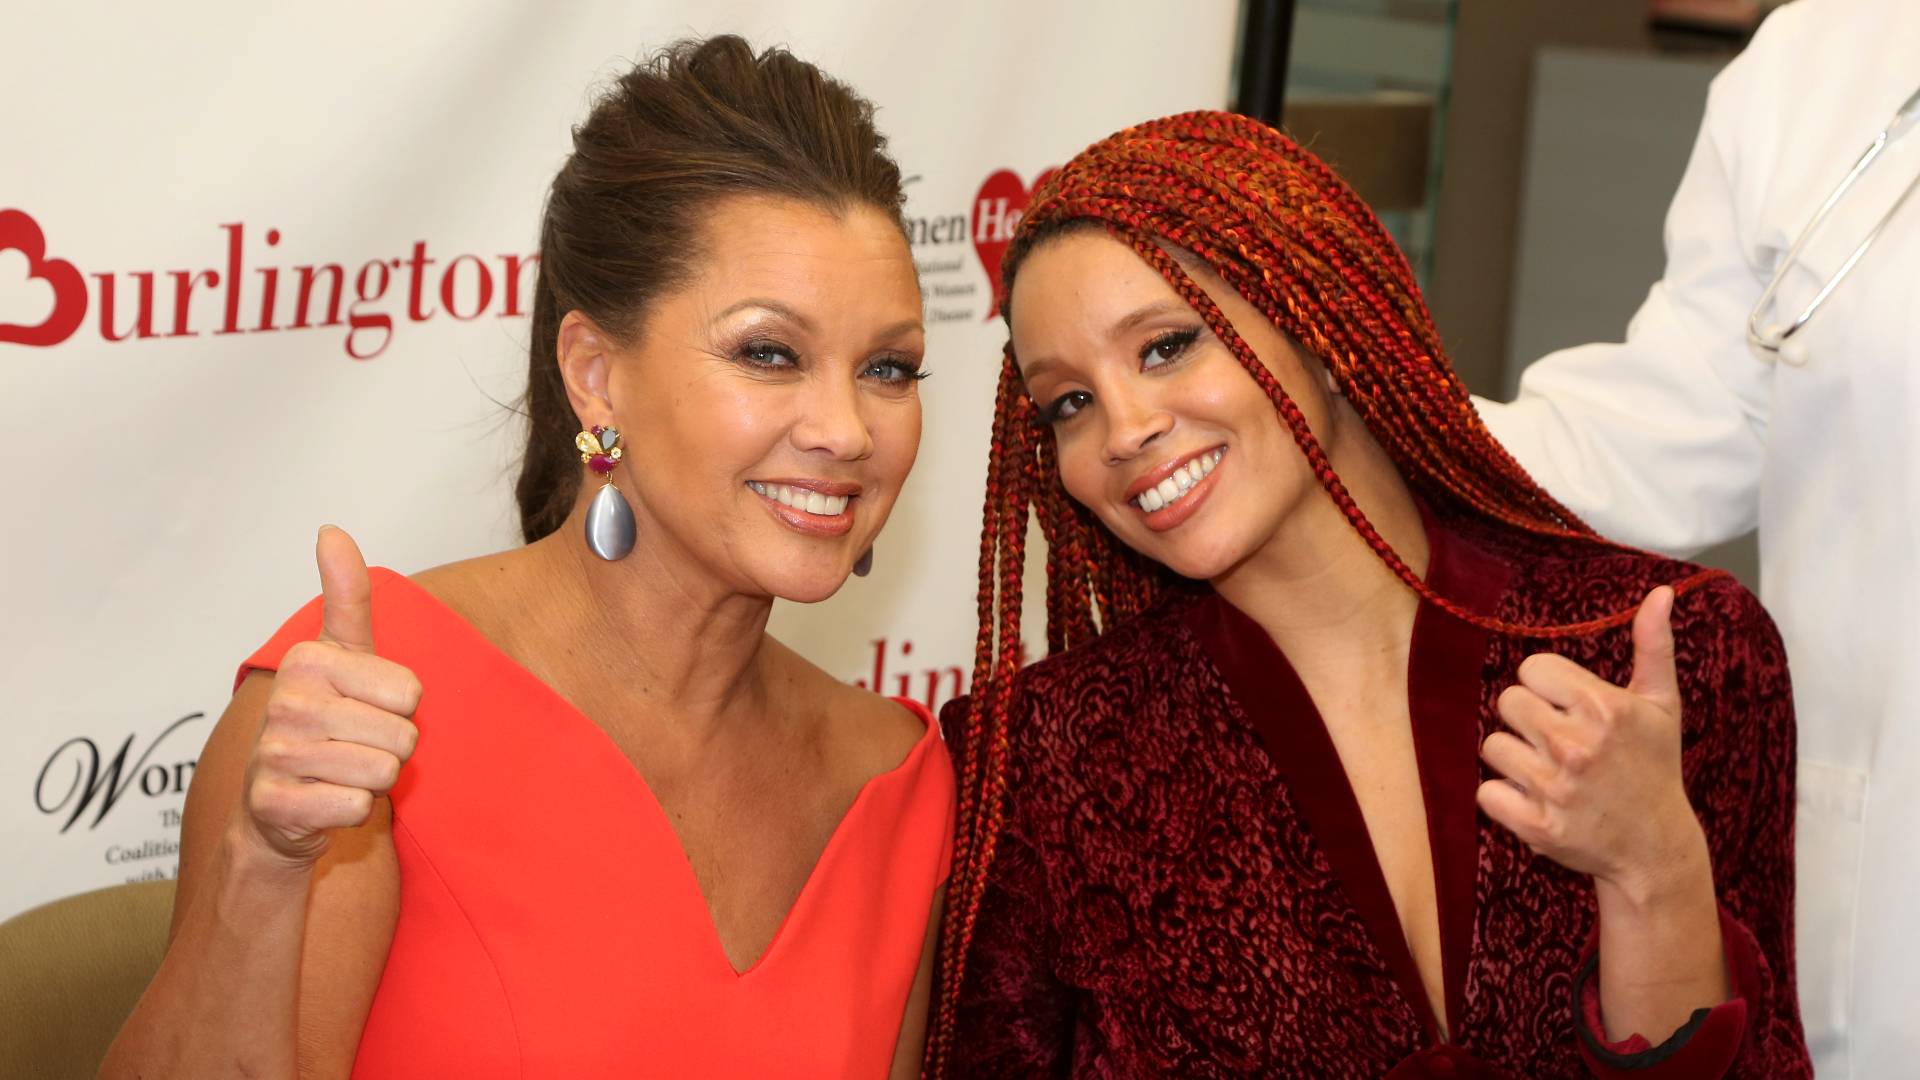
{"points": [[1291, 238]]}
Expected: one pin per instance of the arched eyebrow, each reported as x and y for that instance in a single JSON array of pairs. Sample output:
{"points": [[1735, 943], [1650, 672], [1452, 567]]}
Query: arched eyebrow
{"points": [[903, 327], [766, 304], [1152, 311]]}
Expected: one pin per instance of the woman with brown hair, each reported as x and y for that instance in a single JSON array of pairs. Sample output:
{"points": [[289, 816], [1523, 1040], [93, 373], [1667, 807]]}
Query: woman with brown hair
{"points": [[637, 836], [1238, 823]]}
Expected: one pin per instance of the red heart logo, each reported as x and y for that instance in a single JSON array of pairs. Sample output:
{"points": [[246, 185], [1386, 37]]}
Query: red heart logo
{"points": [[17, 230], [997, 211]]}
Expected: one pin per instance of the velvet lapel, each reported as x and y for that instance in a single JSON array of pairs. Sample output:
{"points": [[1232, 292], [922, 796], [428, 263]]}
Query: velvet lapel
{"points": [[1446, 686], [1444, 681]]}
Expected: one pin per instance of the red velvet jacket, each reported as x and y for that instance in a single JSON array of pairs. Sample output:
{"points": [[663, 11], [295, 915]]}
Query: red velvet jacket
{"points": [[1185, 886]]}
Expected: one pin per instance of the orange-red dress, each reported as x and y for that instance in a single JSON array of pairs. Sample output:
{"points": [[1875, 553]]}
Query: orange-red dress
{"points": [[551, 926]]}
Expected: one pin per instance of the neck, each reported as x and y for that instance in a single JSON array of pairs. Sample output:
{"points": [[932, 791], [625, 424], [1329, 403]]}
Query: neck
{"points": [[1320, 592], [688, 650]]}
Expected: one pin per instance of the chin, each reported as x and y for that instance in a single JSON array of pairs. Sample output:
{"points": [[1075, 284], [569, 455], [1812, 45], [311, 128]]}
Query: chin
{"points": [[806, 588], [1197, 570], [1197, 557]]}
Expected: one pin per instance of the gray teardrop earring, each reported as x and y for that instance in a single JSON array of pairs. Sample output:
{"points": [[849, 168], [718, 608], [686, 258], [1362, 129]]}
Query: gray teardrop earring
{"points": [[864, 564], [610, 525]]}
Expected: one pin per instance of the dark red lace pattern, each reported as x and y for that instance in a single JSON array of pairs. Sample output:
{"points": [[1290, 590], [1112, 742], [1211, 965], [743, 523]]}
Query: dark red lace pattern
{"points": [[1159, 907]]}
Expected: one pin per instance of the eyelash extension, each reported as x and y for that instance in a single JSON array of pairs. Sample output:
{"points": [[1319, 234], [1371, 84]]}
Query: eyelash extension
{"points": [[910, 368], [1181, 339], [1050, 413], [744, 353]]}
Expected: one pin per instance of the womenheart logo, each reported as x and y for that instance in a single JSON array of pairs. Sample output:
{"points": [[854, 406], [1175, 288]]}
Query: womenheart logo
{"points": [[18, 232], [997, 210]]}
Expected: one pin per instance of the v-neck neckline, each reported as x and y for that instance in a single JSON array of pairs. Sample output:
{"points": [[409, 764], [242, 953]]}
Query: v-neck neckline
{"points": [[623, 765], [1446, 657]]}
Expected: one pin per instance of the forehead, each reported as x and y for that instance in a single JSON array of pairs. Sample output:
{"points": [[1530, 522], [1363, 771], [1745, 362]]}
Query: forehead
{"points": [[1078, 291], [762, 243], [1081, 284]]}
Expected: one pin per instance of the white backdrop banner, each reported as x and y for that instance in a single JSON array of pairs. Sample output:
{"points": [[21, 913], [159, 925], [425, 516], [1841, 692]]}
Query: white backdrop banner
{"points": [[264, 267]]}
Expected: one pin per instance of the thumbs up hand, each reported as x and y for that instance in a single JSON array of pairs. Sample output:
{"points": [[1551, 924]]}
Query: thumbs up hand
{"points": [[338, 722], [1592, 770]]}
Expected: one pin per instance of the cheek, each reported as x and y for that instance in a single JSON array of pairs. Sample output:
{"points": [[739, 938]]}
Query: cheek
{"points": [[1219, 391], [713, 427], [1082, 472], [1226, 398], [895, 430]]}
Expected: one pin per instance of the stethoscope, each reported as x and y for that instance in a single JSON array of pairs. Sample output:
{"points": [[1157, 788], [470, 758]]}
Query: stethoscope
{"points": [[1772, 341]]}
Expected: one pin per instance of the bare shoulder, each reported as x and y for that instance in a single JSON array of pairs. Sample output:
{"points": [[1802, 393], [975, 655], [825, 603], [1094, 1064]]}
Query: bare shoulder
{"points": [[892, 729], [475, 588], [870, 733], [506, 596], [880, 731]]}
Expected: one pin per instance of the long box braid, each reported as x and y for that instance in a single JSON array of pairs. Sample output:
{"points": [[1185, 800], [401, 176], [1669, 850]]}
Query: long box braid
{"points": [[1276, 224]]}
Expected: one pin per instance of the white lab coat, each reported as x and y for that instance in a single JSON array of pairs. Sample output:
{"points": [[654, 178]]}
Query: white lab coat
{"points": [[1682, 437]]}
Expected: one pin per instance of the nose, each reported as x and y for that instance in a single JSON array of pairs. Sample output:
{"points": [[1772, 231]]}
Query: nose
{"points": [[831, 420], [1133, 423]]}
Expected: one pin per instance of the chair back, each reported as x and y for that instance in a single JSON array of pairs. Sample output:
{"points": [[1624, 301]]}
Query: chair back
{"points": [[70, 973]]}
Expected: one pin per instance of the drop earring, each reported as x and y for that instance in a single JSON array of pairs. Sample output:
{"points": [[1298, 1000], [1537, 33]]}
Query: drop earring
{"points": [[864, 564], [610, 526]]}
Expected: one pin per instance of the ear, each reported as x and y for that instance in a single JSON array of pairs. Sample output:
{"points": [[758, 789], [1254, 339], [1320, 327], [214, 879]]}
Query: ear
{"points": [[585, 354]]}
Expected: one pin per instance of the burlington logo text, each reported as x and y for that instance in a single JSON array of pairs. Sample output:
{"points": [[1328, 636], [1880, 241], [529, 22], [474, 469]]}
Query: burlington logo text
{"points": [[236, 298]]}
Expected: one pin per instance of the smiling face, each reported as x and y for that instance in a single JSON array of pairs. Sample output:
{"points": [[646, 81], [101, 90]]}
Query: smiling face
{"points": [[770, 405], [1161, 433]]}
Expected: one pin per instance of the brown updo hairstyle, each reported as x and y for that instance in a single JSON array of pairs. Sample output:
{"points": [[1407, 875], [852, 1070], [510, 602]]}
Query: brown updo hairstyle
{"points": [[701, 121]]}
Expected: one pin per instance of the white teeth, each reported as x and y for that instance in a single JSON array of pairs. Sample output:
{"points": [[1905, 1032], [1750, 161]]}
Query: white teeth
{"points": [[1179, 482], [811, 502]]}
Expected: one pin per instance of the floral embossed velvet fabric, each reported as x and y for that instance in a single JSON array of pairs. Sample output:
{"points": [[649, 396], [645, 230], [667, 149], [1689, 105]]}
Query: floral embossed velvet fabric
{"points": [[1185, 886]]}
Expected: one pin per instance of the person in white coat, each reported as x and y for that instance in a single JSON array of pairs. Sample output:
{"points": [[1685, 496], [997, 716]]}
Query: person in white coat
{"points": [[1687, 434]]}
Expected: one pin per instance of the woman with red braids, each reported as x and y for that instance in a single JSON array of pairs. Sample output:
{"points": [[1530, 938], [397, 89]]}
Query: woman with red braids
{"points": [[1358, 755]]}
